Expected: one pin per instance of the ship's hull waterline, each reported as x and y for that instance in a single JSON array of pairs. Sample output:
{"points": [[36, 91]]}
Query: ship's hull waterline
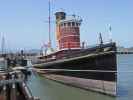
{"points": [[95, 64]]}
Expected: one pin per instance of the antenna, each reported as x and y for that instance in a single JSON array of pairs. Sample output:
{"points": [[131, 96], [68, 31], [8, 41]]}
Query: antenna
{"points": [[110, 33], [100, 38]]}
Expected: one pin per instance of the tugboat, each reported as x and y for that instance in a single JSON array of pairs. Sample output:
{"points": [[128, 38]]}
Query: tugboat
{"points": [[72, 56], [75, 62]]}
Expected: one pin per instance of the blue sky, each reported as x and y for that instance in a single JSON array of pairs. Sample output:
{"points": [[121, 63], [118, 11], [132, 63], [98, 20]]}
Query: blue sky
{"points": [[23, 22]]}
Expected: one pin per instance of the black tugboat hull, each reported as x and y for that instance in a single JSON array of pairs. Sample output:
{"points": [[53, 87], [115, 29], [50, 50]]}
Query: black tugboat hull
{"points": [[90, 67], [97, 63]]}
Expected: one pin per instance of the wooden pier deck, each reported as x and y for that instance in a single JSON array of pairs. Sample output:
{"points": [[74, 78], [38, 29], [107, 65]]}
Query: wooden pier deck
{"points": [[14, 87]]}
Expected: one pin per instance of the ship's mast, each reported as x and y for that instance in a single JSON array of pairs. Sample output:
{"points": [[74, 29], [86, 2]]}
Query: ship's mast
{"points": [[3, 45], [49, 44], [49, 3]]}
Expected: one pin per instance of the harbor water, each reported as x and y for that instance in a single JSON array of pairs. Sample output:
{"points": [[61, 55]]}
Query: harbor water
{"points": [[51, 90], [125, 77]]}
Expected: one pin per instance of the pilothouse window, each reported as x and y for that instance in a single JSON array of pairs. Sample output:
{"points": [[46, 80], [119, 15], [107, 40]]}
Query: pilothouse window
{"points": [[73, 23], [64, 24], [69, 24]]}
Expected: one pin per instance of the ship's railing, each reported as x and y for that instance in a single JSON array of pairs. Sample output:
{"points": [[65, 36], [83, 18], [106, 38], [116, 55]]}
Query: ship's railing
{"points": [[10, 81], [83, 51], [88, 50]]}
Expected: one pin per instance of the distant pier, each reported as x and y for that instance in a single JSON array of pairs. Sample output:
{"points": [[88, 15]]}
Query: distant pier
{"points": [[125, 52]]}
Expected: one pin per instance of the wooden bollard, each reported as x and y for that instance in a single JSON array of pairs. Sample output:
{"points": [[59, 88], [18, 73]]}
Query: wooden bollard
{"points": [[13, 90], [4, 92]]}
